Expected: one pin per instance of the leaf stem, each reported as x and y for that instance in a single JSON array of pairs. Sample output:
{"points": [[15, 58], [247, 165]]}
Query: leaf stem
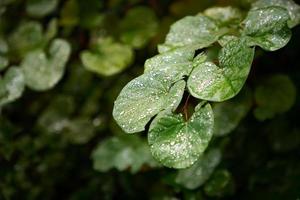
{"points": [[185, 108]]}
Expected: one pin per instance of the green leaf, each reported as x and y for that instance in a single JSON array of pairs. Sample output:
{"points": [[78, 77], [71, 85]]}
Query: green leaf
{"points": [[3, 62], [197, 31], [268, 28], [226, 38], [121, 153], [55, 117], [70, 13], [144, 97], [51, 30], [107, 58], [224, 15], [275, 95], [40, 8], [27, 37], [219, 184], [43, 71], [3, 50], [228, 114], [3, 46], [177, 61], [210, 82], [177, 143], [11, 86], [199, 173], [138, 26], [79, 130], [292, 8]]}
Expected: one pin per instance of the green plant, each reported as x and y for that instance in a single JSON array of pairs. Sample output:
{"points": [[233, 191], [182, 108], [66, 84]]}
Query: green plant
{"points": [[207, 56], [63, 64]]}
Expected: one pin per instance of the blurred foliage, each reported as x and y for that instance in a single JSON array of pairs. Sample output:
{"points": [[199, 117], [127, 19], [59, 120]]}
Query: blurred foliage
{"points": [[62, 65]]}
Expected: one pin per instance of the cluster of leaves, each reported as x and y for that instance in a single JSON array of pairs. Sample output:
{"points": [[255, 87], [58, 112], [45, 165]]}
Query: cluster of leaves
{"points": [[210, 56], [57, 137]]}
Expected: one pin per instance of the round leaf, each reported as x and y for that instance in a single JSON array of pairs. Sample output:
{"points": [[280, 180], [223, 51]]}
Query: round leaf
{"points": [[42, 72], [108, 58], [144, 97], [178, 143], [275, 95], [196, 175], [199, 31], [228, 114], [292, 8], [27, 37], [40, 8], [268, 28], [138, 26], [210, 82]]}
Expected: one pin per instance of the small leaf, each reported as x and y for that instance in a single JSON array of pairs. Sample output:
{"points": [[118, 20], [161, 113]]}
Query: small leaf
{"points": [[224, 15], [121, 153], [69, 15], [197, 31], [27, 37], [42, 72], [79, 130], [40, 8], [144, 97], [219, 184], [3, 50], [107, 58], [268, 28], [275, 95], [228, 114], [177, 143], [138, 26], [55, 117], [3, 62], [12, 85], [193, 177], [292, 8], [210, 82], [51, 30]]}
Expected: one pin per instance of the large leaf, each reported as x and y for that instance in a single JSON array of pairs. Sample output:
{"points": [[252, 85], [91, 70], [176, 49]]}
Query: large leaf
{"points": [[178, 143], [210, 82], [40, 8], [268, 28], [138, 26], [292, 8], [12, 85], [198, 174], [144, 97], [43, 71], [107, 58], [275, 95], [197, 31], [228, 114]]}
